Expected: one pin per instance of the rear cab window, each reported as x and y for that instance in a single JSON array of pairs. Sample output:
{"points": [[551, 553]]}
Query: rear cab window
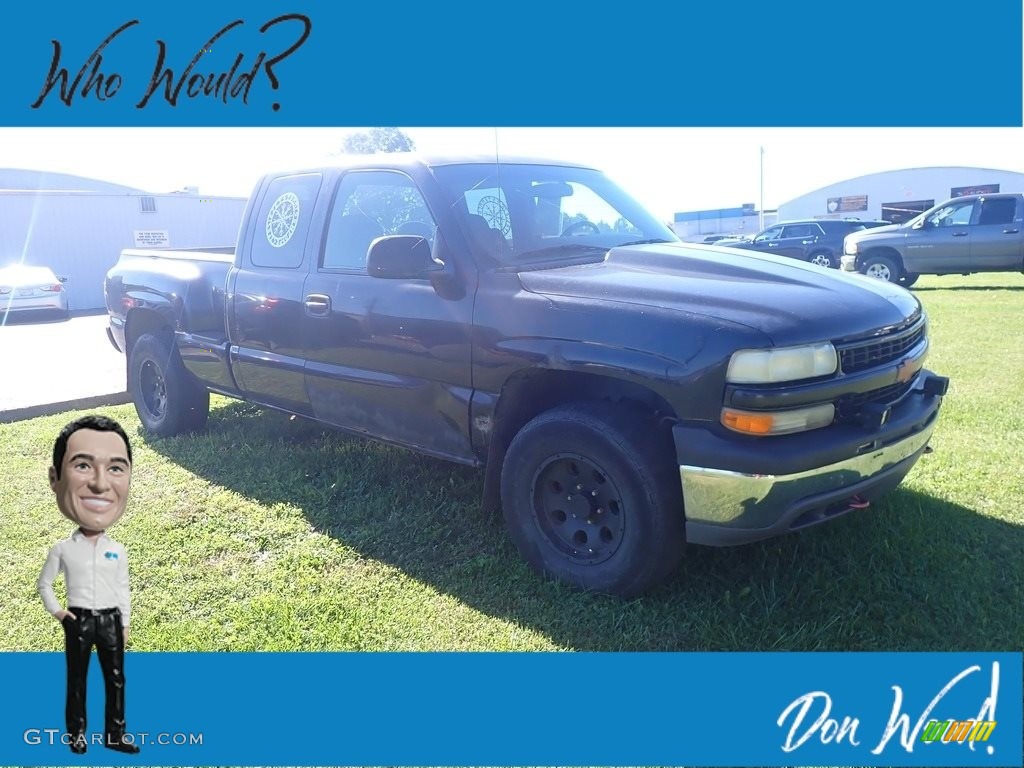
{"points": [[282, 222]]}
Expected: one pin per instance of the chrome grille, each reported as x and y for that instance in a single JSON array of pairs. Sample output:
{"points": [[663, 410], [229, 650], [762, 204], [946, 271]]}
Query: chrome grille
{"points": [[861, 355], [885, 396]]}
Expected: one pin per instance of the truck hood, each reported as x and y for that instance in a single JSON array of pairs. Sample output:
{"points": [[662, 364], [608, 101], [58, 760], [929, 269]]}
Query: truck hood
{"points": [[790, 301], [891, 233]]}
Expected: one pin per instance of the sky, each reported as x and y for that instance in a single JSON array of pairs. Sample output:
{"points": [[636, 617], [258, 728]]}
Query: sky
{"points": [[668, 169]]}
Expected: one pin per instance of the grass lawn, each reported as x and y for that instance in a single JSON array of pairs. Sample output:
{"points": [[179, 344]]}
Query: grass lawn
{"points": [[271, 533]]}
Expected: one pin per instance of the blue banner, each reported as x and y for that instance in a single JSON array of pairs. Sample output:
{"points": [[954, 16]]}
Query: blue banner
{"points": [[532, 63], [920, 709], [529, 63]]}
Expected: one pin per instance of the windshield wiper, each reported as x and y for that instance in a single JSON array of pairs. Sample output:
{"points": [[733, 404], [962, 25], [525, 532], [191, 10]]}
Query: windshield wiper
{"points": [[652, 241], [564, 248]]}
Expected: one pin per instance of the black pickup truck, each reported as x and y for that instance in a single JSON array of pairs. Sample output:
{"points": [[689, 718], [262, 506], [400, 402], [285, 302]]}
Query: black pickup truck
{"points": [[626, 393]]}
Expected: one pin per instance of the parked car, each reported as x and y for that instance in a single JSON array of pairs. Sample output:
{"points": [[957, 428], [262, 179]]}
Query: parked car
{"points": [[26, 288], [974, 233], [626, 393], [734, 239], [819, 241], [715, 238]]}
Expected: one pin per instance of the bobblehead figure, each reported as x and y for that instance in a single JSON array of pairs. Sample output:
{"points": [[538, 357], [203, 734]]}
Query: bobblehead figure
{"points": [[90, 476]]}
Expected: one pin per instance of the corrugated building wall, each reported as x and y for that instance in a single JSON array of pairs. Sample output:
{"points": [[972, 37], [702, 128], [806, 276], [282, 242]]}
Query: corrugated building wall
{"points": [[79, 233]]}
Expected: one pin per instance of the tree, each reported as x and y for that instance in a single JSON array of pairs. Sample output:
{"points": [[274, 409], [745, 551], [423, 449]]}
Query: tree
{"points": [[377, 140]]}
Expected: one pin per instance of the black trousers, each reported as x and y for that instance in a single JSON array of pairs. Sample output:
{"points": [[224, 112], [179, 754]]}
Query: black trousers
{"points": [[102, 629]]}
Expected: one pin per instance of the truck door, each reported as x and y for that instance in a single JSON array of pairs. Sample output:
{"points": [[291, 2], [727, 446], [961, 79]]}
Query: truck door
{"points": [[768, 240], [941, 242], [266, 295], [997, 242], [387, 357]]}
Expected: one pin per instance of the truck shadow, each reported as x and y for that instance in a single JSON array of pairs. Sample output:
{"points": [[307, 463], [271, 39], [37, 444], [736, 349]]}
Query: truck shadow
{"points": [[936, 575], [972, 288]]}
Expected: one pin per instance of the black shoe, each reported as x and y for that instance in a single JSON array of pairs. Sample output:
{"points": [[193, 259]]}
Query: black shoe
{"points": [[78, 743], [118, 744]]}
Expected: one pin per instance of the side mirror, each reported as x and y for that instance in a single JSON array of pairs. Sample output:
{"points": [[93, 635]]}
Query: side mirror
{"points": [[919, 224], [401, 257]]}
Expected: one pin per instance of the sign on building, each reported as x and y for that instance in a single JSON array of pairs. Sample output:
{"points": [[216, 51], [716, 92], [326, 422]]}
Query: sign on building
{"points": [[152, 238], [848, 204], [977, 189]]}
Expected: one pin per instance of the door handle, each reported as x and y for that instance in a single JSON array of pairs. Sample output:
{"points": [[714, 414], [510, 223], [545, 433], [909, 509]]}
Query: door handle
{"points": [[959, 234], [317, 304], [1010, 231]]}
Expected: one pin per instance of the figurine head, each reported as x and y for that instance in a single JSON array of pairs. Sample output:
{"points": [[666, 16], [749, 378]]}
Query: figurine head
{"points": [[92, 472]]}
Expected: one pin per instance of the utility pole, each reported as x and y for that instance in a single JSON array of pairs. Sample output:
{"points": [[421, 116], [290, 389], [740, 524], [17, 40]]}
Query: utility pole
{"points": [[760, 205]]}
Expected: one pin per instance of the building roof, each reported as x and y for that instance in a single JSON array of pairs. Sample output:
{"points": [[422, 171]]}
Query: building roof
{"points": [[936, 170], [26, 179]]}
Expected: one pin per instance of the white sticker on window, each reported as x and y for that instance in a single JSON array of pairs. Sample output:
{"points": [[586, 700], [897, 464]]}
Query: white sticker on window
{"points": [[282, 219]]}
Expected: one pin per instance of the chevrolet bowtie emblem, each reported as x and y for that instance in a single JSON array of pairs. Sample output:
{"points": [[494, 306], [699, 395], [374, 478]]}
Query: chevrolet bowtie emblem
{"points": [[905, 371]]}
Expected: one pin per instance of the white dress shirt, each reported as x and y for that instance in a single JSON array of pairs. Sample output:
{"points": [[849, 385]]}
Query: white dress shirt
{"points": [[95, 573]]}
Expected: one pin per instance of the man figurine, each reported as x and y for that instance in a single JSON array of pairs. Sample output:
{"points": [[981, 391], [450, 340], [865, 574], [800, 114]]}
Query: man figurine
{"points": [[91, 475]]}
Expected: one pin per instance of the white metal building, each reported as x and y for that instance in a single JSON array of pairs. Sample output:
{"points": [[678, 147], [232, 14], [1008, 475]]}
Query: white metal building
{"points": [[696, 225], [78, 226], [894, 196], [900, 195]]}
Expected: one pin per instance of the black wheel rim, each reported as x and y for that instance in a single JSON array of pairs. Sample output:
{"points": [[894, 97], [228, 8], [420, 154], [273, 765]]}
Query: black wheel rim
{"points": [[153, 389], [578, 508]]}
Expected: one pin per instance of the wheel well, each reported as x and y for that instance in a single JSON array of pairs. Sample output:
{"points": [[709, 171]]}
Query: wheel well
{"points": [[525, 396], [140, 322], [890, 253]]}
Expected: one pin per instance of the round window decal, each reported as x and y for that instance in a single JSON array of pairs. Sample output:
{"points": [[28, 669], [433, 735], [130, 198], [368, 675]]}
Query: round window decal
{"points": [[495, 213], [282, 219]]}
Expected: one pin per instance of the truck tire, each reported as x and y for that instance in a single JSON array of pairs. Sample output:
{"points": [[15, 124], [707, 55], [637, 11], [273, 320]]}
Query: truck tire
{"points": [[822, 259], [167, 398], [881, 267], [591, 498], [908, 279]]}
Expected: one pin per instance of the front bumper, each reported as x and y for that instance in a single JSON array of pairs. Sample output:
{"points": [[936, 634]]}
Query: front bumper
{"points": [[730, 504], [53, 301], [115, 333], [848, 263]]}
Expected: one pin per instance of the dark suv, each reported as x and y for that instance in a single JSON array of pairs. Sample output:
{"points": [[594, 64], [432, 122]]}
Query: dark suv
{"points": [[819, 241]]}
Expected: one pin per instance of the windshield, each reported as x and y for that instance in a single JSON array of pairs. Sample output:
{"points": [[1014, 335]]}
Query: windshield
{"points": [[516, 212]]}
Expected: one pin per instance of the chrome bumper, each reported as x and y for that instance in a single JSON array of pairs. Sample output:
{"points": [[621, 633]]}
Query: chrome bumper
{"points": [[724, 507]]}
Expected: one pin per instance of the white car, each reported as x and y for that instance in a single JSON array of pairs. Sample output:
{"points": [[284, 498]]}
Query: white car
{"points": [[30, 288]]}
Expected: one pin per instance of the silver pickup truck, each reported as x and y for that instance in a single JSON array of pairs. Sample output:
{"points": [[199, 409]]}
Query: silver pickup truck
{"points": [[974, 233]]}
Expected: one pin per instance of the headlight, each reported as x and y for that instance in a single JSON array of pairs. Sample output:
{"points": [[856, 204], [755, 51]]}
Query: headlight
{"points": [[849, 248], [770, 366]]}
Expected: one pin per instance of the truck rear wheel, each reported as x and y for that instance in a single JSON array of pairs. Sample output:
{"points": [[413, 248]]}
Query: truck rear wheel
{"points": [[881, 267], [168, 400], [590, 498]]}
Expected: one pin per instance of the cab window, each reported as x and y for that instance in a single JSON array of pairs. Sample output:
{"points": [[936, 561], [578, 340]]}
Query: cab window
{"points": [[998, 210], [283, 221], [368, 205], [956, 214]]}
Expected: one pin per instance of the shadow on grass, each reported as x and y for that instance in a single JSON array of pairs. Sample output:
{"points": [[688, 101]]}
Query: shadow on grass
{"points": [[911, 573], [973, 288]]}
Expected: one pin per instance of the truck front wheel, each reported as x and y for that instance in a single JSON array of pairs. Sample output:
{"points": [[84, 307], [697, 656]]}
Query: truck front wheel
{"points": [[168, 400], [590, 498], [881, 267]]}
